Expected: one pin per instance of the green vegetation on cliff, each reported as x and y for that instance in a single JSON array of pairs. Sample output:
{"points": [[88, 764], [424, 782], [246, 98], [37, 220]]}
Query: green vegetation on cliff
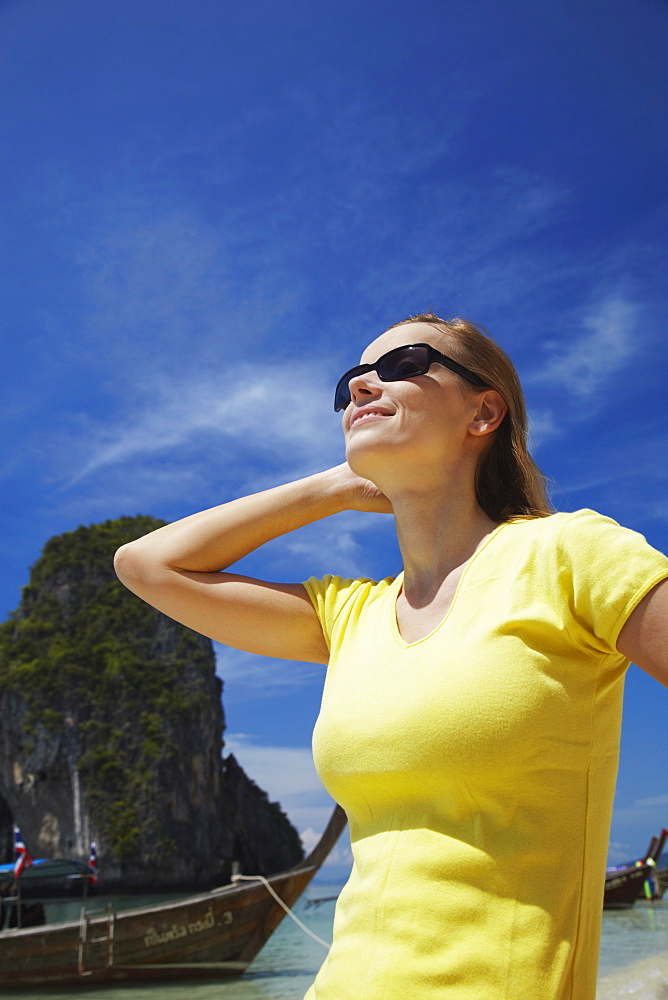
{"points": [[97, 668]]}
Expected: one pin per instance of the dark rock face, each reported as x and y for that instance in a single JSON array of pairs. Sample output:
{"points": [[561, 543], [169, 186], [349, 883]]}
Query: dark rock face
{"points": [[257, 832], [6, 834], [111, 728]]}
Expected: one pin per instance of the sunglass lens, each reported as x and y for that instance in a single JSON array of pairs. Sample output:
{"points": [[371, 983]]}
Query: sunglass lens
{"points": [[341, 397], [342, 394], [405, 362]]}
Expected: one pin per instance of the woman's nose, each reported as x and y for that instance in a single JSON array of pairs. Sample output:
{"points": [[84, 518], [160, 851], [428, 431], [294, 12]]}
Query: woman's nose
{"points": [[364, 386]]}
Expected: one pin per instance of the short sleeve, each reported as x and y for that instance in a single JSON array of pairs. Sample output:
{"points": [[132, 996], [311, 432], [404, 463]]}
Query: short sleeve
{"points": [[329, 596], [604, 571]]}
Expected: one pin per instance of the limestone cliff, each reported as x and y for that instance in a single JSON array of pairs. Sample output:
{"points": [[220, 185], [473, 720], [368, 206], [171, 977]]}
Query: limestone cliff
{"points": [[111, 728]]}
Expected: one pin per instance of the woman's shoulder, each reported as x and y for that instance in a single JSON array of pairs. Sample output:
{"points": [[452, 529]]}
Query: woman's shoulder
{"points": [[337, 598], [567, 523], [584, 534], [344, 588]]}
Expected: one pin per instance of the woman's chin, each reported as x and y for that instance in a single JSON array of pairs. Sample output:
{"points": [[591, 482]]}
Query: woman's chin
{"points": [[365, 461]]}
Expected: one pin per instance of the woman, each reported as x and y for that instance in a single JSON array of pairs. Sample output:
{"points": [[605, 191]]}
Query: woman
{"points": [[471, 710]]}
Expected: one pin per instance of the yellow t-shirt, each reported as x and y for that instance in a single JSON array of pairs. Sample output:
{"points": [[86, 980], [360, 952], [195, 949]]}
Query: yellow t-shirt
{"points": [[477, 767]]}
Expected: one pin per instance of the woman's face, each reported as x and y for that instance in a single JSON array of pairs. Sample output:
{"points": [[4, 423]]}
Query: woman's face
{"points": [[423, 421]]}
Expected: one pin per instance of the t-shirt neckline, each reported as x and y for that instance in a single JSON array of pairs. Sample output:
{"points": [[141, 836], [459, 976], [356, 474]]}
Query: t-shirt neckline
{"points": [[399, 580]]}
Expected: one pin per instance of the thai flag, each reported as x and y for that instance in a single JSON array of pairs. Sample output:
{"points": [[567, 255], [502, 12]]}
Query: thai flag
{"points": [[92, 862], [22, 858]]}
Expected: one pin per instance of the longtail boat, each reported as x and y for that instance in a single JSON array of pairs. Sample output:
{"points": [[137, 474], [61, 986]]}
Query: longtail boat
{"points": [[661, 880], [211, 935], [50, 877], [627, 883]]}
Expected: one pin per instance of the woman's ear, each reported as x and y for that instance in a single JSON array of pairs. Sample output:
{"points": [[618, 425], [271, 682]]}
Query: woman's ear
{"points": [[490, 411]]}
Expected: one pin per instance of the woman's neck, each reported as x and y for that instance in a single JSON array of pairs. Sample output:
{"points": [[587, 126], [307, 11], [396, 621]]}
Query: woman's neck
{"points": [[438, 532]]}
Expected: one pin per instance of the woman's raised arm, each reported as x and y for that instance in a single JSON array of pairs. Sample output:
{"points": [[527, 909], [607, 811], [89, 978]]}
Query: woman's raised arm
{"points": [[644, 637], [177, 568]]}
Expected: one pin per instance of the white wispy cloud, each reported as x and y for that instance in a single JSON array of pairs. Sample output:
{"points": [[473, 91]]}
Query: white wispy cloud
{"points": [[619, 851], [277, 414], [650, 812], [614, 472], [543, 426], [583, 363], [467, 243], [281, 771], [288, 775], [340, 545], [168, 290], [650, 803], [341, 857], [657, 509], [633, 823], [262, 676]]}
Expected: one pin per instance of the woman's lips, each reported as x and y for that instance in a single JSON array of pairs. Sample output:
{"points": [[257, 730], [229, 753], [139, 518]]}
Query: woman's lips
{"points": [[369, 413]]}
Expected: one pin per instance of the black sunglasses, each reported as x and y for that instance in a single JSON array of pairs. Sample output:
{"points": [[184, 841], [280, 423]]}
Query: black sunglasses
{"points": [[401, 363]]}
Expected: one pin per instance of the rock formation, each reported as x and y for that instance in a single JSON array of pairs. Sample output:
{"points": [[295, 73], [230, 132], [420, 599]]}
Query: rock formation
{"points": [[111, 728]]}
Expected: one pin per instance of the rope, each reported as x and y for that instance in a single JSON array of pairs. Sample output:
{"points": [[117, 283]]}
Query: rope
{"points": [[284, 906]]}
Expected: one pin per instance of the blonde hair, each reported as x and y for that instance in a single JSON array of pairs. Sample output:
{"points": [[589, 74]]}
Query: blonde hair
{"points": [[509, 484]]}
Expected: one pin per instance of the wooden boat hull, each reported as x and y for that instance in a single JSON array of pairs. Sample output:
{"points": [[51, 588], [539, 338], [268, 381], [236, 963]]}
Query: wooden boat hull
{"points": [[215, 934], [51, 877], [212, 935], [661, 882], [624, 887]]}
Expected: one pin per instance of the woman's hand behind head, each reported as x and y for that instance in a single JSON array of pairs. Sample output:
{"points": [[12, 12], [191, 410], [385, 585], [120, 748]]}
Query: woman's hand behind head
{"points": [[360, 494]]}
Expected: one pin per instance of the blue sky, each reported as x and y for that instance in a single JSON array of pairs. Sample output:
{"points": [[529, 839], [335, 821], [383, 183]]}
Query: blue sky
{"points": [[209, 209]]}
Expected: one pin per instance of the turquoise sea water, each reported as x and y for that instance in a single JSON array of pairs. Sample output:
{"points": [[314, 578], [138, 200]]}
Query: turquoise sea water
{"points": [[287, 964]]}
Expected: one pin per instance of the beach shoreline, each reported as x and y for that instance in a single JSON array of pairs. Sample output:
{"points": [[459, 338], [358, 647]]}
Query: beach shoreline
{"points": [[644, 980]]}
